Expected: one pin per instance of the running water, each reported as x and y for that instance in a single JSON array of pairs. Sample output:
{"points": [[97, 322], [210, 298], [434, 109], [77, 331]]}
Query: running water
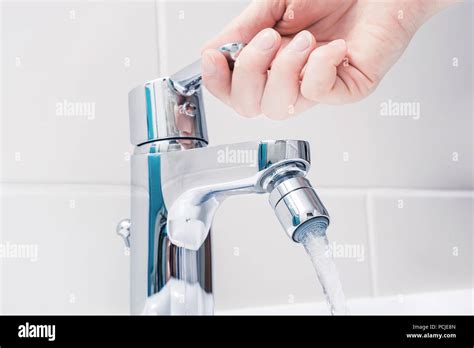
{"points": [[313, 237]]}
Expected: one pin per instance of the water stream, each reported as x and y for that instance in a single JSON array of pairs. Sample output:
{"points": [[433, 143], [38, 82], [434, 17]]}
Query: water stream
{"points": [[313, 237]]}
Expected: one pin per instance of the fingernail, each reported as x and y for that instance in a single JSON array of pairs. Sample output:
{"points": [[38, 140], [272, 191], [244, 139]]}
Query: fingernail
{"points": [[300, 42], [265, 39], [340, 43], [208, 64]]}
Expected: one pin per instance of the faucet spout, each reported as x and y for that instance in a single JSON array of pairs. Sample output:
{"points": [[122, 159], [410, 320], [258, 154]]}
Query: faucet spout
{"points": [[193, 194]]}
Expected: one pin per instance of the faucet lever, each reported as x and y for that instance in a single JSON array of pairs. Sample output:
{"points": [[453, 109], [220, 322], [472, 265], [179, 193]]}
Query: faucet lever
{"points": [[188, 80], [171, 108]]}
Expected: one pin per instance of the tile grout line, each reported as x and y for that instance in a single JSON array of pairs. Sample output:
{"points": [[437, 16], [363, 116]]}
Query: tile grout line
{"points": [[466, 192], [160, 23], [1, 169], [369, 213], [86, 186]]}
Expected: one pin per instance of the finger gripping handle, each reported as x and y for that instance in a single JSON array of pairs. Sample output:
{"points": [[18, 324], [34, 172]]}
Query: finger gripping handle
{"points": [[188, 80]]}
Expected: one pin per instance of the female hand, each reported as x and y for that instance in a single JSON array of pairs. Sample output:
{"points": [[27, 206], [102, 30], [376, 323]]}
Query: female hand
{"points": [[304, 52]]}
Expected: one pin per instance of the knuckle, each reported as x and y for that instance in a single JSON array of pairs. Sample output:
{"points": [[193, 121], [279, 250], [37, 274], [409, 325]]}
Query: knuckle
{"points": [[313, 91], [321, 53], [276, 107], [276, 114], [246, 111]]}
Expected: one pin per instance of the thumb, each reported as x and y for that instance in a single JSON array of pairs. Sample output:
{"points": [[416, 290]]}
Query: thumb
{"points": [[256, 17]]}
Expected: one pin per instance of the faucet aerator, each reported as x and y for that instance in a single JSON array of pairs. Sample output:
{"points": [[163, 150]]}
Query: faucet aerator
{"points": [[295, 203]]}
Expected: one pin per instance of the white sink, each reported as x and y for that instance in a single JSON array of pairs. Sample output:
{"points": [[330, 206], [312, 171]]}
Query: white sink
{"points": [[451, 302]]}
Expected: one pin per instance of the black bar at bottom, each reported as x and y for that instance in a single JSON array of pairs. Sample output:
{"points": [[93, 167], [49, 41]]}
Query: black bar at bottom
{"points": [[291, 330]]}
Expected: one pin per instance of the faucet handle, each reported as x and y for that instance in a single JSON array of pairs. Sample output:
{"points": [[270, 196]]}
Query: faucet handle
{"points": [[171, 108], [188, 80], [231, 51]]}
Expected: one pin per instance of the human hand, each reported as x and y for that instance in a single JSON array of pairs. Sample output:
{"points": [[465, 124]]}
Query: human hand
{"points": [[304, 52]]}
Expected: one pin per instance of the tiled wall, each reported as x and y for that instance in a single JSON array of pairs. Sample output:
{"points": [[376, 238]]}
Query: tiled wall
{"points": [[65, 177], [399, 190]]}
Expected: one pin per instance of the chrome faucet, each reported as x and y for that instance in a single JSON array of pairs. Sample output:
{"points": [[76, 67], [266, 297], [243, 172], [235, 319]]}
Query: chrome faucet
{"points": [[178, 183]]}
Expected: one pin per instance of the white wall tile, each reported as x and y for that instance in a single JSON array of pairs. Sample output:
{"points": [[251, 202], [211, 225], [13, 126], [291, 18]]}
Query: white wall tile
{"points": [[80, 60], [255, 263], [189, 24], [81, 267], [419, 153], [422, 240]]}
